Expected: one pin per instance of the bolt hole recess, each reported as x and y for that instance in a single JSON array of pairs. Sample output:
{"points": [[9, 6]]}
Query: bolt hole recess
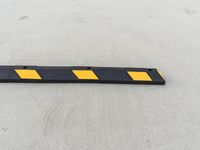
{"points": [[150, 69], [89, 68], [25, 67]]}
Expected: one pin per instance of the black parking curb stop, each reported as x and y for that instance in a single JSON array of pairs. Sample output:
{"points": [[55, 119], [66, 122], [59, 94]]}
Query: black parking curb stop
{"points": [[82, 74]]}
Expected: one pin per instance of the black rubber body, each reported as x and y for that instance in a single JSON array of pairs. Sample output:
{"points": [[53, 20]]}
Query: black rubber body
{"points": [[80, 74]]}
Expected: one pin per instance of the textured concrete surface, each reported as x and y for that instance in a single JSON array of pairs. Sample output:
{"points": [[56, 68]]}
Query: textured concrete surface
{"points": [[125, 33]]}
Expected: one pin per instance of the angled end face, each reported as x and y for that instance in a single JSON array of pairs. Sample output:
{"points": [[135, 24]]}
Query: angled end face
{"points": [[162, 76]]}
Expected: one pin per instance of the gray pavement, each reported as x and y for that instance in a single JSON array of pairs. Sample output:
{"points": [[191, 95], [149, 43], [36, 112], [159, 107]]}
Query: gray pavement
{"points": [[124, 33]]}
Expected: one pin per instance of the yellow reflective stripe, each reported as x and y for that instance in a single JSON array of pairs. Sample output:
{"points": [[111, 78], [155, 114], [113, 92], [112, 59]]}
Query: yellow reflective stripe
{"points": [[139, 76], [85, 74], [28, 74]]}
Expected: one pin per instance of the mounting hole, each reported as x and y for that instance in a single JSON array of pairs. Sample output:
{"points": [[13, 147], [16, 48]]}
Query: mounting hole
{"points": [[89, 68], [150, 69], [25, 67]]}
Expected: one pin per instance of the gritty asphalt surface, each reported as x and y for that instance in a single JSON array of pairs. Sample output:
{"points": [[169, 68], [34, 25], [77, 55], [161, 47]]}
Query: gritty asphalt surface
{"points": [[130, 33]]}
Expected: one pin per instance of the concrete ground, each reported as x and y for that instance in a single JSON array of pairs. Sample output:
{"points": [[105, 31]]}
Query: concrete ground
{"points": [[123, 33]]}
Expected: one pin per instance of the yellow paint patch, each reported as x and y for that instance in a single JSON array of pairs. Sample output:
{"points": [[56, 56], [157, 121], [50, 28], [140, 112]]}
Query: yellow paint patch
{"points": [[85, 74], [160, 73], [139, 76], [28, 74]]}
